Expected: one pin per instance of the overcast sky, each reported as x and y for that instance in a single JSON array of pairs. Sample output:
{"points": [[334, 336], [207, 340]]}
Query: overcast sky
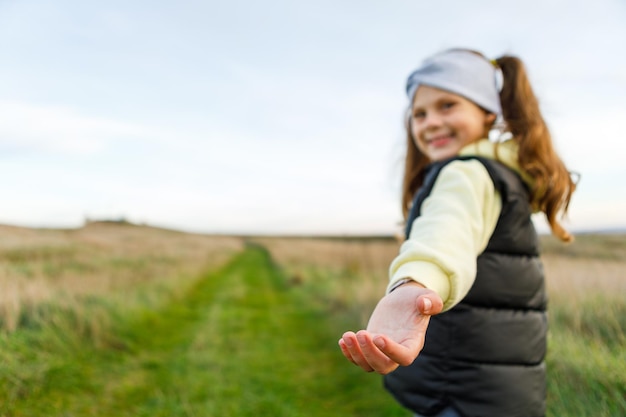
{"points": [[277, 116]]}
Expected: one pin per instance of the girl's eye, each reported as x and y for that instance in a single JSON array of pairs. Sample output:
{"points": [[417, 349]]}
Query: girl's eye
{"points": [[447, 105], [419, 115]]}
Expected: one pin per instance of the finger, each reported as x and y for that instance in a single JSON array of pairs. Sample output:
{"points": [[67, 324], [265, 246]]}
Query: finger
{"points": [[345, 351], [403, 353], [377, 359], [429, 304], [352, 345]]}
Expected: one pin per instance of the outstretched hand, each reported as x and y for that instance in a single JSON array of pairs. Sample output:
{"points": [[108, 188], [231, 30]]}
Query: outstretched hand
{"points": [[396, 330]]}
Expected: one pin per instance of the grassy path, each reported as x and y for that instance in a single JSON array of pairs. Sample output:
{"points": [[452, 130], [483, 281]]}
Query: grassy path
{"points": [[241, 342]]}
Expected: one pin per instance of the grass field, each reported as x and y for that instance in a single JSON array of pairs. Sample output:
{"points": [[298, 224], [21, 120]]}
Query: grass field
{"points": [[122, 320]]}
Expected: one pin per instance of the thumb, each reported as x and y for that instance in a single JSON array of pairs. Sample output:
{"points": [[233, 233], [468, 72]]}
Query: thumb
{"points": [[430, 304]]}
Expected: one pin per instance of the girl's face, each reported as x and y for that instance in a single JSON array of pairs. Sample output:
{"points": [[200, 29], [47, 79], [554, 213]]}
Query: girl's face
{"points": [[442, 123]]}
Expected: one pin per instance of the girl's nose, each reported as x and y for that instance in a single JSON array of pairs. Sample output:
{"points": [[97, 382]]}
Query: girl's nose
{"points": [[432, 120]]}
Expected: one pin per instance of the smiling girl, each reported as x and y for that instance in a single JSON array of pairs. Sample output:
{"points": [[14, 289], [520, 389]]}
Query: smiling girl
{"points": [[469, 271]]}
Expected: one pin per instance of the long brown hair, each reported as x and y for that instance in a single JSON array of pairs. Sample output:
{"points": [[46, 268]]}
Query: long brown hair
{"points": [[553, 185]]}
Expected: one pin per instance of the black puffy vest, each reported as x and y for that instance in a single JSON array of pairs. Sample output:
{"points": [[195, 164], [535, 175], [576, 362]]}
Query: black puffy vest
{"points": [[485, 356]]}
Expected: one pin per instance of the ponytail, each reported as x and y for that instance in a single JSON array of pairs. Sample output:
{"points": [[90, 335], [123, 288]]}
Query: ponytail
{"points": [[553, 185]]}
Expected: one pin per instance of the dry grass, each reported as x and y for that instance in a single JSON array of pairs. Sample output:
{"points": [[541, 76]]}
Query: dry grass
{"points": [[594, 265], [353, 271], [576, 279], [370, 256], [38, 266]]}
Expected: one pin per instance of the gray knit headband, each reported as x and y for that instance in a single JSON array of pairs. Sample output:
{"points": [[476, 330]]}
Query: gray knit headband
{"points": [[460, 72]]}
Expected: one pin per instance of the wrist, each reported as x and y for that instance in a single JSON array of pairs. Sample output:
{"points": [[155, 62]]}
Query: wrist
{"points": [[404, 282]]}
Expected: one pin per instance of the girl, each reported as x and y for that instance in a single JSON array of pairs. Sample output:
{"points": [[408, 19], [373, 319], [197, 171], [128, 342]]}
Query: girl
{"points": [[471, 249]]}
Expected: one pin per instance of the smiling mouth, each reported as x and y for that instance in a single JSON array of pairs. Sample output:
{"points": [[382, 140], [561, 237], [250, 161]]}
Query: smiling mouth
{"points": [[440, 141]]}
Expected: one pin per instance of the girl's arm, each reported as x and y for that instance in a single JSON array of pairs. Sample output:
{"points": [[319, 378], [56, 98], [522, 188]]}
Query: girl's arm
{"points": [[457, 219], [439, 259]]}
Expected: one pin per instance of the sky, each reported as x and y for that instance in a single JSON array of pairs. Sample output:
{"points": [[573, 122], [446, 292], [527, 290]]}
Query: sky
{"points": [[277, 117]]}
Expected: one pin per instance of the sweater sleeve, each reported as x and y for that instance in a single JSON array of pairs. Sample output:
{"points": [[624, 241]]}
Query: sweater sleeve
{"points": [[457, 219]]}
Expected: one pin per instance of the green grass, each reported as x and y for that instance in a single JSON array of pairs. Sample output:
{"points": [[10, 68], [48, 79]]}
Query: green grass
{"points": [[240, 342], [587, 359], [250, 339]]}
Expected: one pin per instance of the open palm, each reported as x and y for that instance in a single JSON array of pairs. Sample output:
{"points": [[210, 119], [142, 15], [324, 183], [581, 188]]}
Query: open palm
{"points": [[396, 330]]}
